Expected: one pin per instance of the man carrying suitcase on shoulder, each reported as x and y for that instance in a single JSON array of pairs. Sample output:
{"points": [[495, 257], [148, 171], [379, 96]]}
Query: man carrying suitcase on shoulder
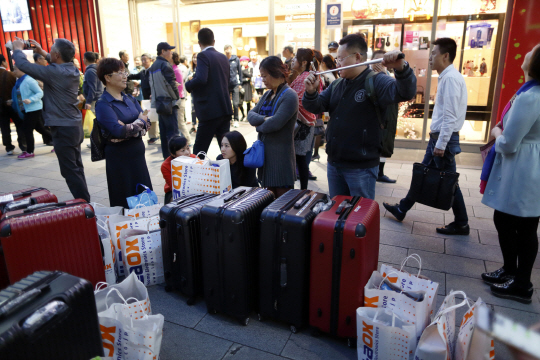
{"points": [[354, 131], [448, 118]]}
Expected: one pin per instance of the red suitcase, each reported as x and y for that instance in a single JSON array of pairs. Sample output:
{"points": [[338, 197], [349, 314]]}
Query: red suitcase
{"points": [[32, 196], [53, 237], [344, 254]]}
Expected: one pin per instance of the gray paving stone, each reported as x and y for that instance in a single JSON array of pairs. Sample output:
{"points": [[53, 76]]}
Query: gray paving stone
{"points": [[424, 216], [421, 228], [391, 254], [449, 264], [471, 250], [394, 225], [268, 336], [483, 212], [399, 193], [475, 287], [173, 306], [488, 237], [303, 346], [383, 191], [412, 241], [182, 343], [473, 201], [242, 352]]}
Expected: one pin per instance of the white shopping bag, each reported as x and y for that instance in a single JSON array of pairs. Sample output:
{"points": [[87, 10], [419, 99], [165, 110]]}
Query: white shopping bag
{"points": [[438, 339], [193, 175], [103, 211], [131, 288], [143, 211], [129, 339], [152, 114], [382, 335], [411, 311], [471, 343], [413, 282], [109, 252], [143, 255], [118, 223]]}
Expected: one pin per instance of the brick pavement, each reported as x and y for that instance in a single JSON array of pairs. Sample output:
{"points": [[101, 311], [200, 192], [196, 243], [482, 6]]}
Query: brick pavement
{"points": [[191, 333]]}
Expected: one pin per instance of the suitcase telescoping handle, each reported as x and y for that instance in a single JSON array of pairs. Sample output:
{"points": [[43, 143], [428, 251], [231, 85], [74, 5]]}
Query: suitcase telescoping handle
{"points": [[345, 204], [190, 197], [234, 196], [22, 298], [42, 206], [302, 201]]}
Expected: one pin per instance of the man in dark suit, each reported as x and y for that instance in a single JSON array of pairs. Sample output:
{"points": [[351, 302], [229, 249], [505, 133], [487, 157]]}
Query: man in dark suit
{"points": [[210, 90]]}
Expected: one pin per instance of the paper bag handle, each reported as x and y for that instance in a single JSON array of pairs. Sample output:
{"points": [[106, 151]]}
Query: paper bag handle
{"points": [[386, 277], [453, 307], [415, 257]]}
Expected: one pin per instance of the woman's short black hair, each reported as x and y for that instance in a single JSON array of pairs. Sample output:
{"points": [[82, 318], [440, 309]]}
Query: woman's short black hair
{"points": [[534, 65], [91, 56], [275, 67], [239, 145], [176, 58], [107, 66], [177, 143]]}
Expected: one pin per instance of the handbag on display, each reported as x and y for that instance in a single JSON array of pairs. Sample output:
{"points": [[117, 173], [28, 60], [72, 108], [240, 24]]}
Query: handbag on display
{"points": [[432, 186]]}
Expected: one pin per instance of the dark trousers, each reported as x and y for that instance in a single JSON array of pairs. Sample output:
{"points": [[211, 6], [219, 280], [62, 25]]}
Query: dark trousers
{"points": [[448, 162], [5, 127], [45, 135], [33, 121], [519, 244], [235, 95], [193, 115], [67, 146], [303, 171], [168, 127], [206, 131]]}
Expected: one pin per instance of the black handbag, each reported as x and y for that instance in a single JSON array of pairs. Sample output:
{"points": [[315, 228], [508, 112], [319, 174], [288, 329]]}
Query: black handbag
{"points": [[433, 187], [164, 105], [97, 143]]}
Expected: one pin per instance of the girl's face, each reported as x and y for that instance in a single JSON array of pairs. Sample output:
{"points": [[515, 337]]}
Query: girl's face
{"points": [[226, 150], [185, 151]]}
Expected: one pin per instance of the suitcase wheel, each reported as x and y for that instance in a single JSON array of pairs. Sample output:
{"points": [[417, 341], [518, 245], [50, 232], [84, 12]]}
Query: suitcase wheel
{"points": [[315, 332], [294, 330], [351, 342], [190, 301], [260, 317], [244, 321], [168, 288]]}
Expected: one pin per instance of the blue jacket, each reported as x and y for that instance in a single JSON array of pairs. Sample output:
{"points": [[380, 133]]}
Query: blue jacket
{"points": [[512, 187], [109, 111], [29, 90], [92, 86], [210, 86]]}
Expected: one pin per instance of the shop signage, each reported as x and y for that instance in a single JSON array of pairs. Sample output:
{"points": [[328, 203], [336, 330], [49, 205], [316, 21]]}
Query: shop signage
{"points": [[334, 16]]}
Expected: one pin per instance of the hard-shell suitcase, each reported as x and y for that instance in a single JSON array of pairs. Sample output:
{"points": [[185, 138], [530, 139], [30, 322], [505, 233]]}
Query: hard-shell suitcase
{"points": [[284, 256], [49, 315], [60, 236], [21, 199], [230, 231], [344, 254], [181, 244]]}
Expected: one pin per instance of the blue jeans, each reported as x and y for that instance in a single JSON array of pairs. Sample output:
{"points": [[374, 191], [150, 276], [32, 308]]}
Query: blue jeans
{"points": [[352, 182], [447, 162], [168, 127]]}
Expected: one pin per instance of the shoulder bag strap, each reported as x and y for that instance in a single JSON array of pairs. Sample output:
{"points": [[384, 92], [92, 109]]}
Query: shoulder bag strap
{"points": [[275, 104], [372, 94]]}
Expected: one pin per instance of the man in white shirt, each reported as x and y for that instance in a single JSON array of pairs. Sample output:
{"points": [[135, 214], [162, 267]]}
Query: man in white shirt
{"points": [[447, 120]]}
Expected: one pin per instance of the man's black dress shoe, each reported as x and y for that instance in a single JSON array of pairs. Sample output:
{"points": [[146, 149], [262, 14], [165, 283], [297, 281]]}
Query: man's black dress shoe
{"points": [[453, 229], [386, 179]]}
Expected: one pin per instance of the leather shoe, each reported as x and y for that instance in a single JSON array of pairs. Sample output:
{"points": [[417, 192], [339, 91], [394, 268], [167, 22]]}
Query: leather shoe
{"points": [[394, 210], [453, 229], [513, 291], [386, 179], [499, 276]]}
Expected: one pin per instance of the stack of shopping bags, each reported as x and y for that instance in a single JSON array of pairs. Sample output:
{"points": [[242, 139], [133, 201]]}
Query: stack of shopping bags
{"points": [[398, 320]]}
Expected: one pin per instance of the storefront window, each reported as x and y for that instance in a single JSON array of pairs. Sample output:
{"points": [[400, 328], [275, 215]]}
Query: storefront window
{"points": [[295, 24]]}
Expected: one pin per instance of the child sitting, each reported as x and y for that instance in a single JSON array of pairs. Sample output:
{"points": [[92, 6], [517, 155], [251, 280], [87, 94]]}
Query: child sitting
{"points": [[233, 146], [178, 146]]}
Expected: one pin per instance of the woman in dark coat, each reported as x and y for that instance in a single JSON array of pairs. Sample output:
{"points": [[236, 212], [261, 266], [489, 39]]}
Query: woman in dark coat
{"points": [[247, 74], [274, 117], [123, 124]]}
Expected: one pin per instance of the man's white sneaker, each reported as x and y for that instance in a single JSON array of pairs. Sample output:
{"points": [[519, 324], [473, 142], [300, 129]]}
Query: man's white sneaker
{"points": [[235, 124]]}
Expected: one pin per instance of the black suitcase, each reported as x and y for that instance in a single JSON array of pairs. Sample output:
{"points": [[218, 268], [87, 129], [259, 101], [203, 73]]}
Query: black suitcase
{"points": [[230, 230], [284, 256], [49, 315], [181, 244]]}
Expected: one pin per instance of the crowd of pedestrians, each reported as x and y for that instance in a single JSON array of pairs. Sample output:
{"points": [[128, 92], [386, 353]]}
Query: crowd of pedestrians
{"points": [[292, 103]]}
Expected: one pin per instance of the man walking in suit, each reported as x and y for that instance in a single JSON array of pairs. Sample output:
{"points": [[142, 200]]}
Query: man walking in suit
{"points": [[210, 90]]}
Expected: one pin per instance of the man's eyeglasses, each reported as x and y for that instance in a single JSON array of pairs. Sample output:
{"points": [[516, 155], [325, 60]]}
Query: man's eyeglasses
{"points": [[339, 61], [121, 73]]}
